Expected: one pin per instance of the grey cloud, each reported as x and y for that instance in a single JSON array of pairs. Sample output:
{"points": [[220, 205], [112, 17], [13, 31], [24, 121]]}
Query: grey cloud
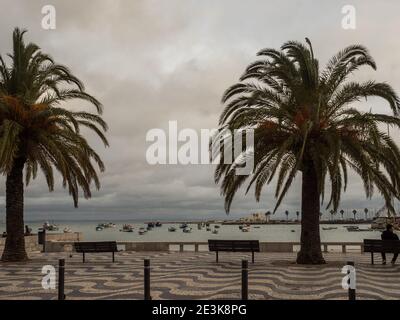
{"points": [[154, 61]]}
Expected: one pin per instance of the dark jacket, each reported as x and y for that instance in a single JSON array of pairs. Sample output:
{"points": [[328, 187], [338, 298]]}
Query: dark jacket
{"points": [[387, 235]]}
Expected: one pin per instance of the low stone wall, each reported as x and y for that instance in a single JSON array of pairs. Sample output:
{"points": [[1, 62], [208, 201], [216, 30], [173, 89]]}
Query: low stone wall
{"points": [[31, 242], [60, 246]]}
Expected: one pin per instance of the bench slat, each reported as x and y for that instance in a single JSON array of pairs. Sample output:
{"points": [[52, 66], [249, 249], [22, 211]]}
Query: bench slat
{"points": [[105, 246], [386, 246], [234, 245]]}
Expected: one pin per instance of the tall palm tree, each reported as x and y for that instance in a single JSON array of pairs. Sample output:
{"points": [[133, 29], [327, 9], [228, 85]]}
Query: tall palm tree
{"points": [[304, 121], [36, 132]]}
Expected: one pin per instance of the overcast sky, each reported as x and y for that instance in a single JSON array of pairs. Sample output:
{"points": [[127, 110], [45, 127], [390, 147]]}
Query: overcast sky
{"points": [[150, 62]]}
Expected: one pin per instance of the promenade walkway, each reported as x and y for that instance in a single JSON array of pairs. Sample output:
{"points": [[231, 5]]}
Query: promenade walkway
{"points": [[191, 275]]}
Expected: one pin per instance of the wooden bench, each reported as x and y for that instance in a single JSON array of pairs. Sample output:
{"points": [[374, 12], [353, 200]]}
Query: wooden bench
{"points": [[234, 246], [379, 246], [93, 247]]}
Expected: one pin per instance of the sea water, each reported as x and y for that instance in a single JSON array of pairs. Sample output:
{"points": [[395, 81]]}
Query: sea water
{"points": [[267, 233]]}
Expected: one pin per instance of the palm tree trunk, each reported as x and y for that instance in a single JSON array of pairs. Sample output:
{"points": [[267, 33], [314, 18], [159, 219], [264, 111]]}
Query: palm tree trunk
{"points": [[310, 251], [14, 249]]}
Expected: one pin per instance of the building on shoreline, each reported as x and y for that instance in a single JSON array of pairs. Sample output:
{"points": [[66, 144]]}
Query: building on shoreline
{"points": [[258, 217]]}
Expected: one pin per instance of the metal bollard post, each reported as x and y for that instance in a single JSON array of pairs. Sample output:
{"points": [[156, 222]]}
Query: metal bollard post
{"points": [[147, 295], [352, 292], [245, 279], [61, 278], [42, 238]]}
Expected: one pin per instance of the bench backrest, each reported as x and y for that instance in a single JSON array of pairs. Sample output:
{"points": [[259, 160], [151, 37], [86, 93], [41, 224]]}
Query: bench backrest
{"points": [[101, 246], [375, 245], [234, 245]]}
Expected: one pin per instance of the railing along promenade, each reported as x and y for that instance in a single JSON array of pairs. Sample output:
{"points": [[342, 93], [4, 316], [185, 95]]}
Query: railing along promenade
{"points": [[201, 246]]}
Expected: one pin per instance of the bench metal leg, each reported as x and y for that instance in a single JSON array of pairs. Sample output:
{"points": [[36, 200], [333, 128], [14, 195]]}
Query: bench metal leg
{"points": [[83, 257], [252, 257], [216, 256], [372, 258], [113, 256]]}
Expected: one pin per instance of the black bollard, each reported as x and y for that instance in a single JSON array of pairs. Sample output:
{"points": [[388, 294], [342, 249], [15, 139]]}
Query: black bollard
{"points": [[42, 238], [147, 295], [61, 278], [245, 279], [352, 292]]}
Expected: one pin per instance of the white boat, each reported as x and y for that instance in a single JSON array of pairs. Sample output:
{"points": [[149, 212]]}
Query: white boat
{"points": [[50, 227], [127, 228], [142, 231], [171, 229], [187, 230], [352, 228], [107, 225], [99, 228], [245, 229], [67, 230]]}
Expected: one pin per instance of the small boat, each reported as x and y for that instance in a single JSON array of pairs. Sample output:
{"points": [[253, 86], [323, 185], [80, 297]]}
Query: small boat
{"points": [[99, 228], [183, 226], [171, 229], [215, 231], [150, 225], [127, 228], [329, 228], [67, 230], [208, 229], [366, 230], [158, 224], [352, 228], [50, 227], [187, 230], [245, 229], [216, 226], [142, 231], [107, 225]]}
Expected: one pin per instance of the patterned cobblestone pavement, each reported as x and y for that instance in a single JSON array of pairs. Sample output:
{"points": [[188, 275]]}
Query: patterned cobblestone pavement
{"points": [[191, 275]]}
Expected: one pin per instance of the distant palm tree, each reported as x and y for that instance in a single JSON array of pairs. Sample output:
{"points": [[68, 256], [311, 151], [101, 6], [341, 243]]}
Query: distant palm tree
{"points": [[332, 212], [354, 214], [37, 133], [287, 215], [304, 121], [366, 213], [298, 215], [268, 215], [342, 213]]}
